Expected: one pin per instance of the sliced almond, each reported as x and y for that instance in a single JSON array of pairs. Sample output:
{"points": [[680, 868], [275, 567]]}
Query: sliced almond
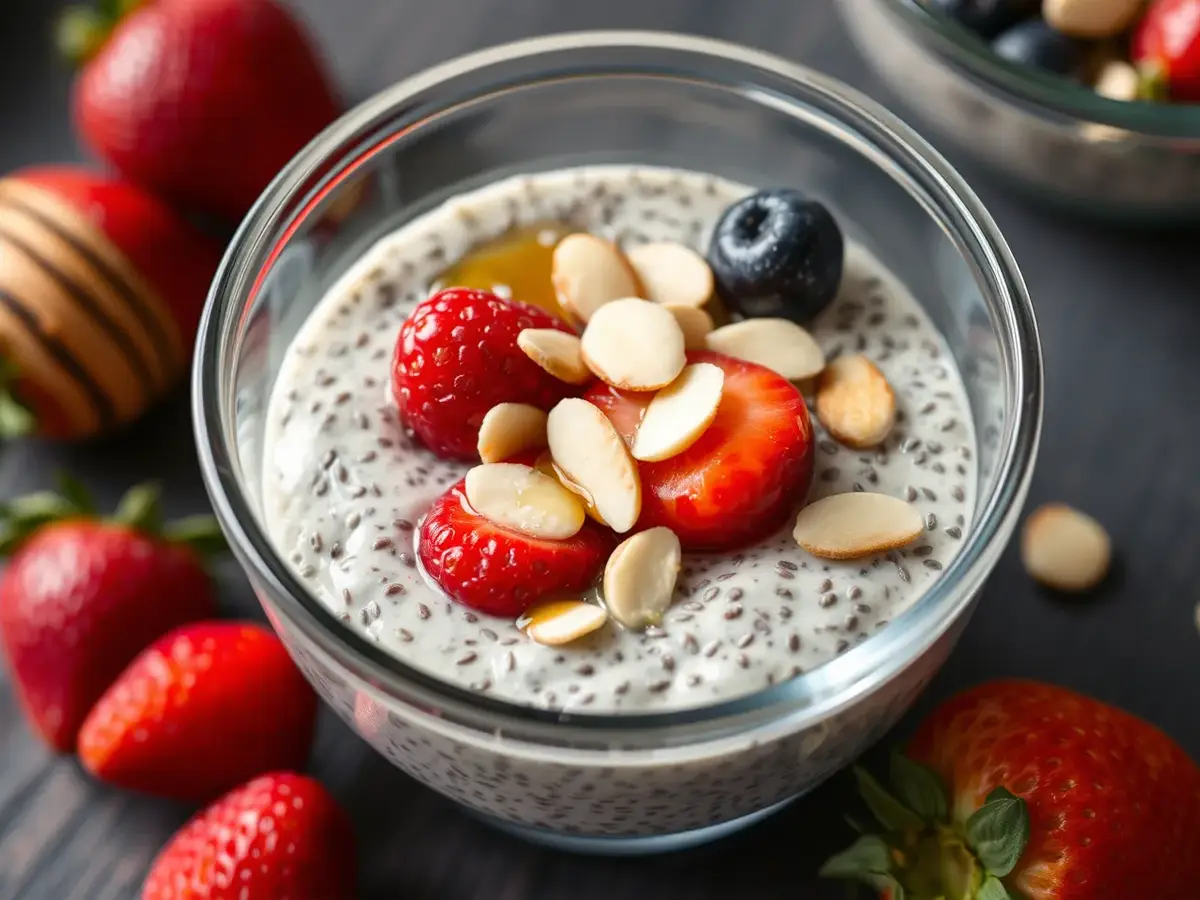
{"points": [[509, 428], [591, 455], [588, 272], [695, 324], [525, 500], [849, 526], [555, 351], [639, 579], [634, 344], [778, 344], [855, 403], [545, 465], [679, 413], [672, 273], [1065, 549], [561, 621]]}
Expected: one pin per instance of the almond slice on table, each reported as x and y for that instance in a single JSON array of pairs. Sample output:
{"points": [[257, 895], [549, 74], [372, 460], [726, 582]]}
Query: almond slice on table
{"points": [[561, 621], [634, 344], [679, 413], [695, 324], [509, 428], [525, 500], [778, 344], [555, 351], [672, 273], [855, 403], [640, 576], [589, 452], [850, 526], [588, 272], [1065, 549]]}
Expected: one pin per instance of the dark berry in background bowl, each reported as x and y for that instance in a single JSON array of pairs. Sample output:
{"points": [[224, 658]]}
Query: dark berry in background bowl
{"points": [[777, 253], [987, 18], [1034, 43]]}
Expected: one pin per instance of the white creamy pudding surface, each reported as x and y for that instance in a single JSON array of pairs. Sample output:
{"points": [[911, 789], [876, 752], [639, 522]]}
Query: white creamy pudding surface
{"points": [[343, 486]]}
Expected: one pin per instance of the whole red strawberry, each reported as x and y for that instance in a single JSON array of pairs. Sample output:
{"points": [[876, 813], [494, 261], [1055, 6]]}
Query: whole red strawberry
{"points": [[499, 571], [279, 837], [104, 285], [82, 596], [1022, 790], [457, 357], [201, 710], [202, 100]]}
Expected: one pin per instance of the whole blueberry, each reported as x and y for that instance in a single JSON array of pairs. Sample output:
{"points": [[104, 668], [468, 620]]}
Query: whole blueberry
{"points": [[987, 18], [1036, 44], [777, 253]]}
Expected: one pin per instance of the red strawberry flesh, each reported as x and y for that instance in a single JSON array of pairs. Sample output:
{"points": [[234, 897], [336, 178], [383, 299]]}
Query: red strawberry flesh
{"points": [[502, 572], [457, 357], [745, 475]]}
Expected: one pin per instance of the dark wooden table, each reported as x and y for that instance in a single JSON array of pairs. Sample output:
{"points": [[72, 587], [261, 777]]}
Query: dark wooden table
{"points": [[1120, 321]]}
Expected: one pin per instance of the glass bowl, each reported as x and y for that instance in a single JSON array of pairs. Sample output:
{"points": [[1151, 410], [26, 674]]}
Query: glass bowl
{"points": [[1061, 141], [643, 782]]}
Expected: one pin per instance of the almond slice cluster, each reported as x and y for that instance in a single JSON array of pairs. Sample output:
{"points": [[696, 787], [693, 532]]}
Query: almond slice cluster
{"points": [[588, 272], [854, 525]]}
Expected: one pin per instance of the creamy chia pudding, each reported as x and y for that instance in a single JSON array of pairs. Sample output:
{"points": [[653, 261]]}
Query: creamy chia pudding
{"points": [[725, 580]]}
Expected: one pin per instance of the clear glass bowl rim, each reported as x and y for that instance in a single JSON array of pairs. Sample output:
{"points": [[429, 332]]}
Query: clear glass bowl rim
{"points": [[1073, 101], [794, 704]]}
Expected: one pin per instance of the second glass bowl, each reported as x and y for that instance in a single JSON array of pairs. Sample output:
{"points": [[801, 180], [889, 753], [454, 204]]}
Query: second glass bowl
{"points": [[1060, 141], [639, 782]]}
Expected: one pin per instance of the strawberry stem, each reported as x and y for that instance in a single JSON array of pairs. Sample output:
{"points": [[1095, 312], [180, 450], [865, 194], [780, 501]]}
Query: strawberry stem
{"points": [[140, 509], [16, 419], [923, 853], [82, 31]]}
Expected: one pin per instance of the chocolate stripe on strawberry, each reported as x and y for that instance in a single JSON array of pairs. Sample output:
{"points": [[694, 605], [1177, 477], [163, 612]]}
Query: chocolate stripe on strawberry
{"points": [[101, 402], [159, 339], [87, 302]]}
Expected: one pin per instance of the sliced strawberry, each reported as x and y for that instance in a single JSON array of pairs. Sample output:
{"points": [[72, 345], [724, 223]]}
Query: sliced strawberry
{"points": [[499, 571], [199, 711], [749, 470]]}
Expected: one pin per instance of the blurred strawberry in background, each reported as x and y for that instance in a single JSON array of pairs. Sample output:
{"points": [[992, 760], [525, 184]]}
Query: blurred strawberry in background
{"points": [[101, 289], [203, 101]]}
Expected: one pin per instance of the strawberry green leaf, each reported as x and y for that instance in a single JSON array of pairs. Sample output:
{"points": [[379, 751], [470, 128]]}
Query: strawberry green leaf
{"points": [[891, 813], [999, 830], [139, 509], [76, 493], [16, 419], [201, 533], [919, 788], [992, 889], [868, 855]]}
